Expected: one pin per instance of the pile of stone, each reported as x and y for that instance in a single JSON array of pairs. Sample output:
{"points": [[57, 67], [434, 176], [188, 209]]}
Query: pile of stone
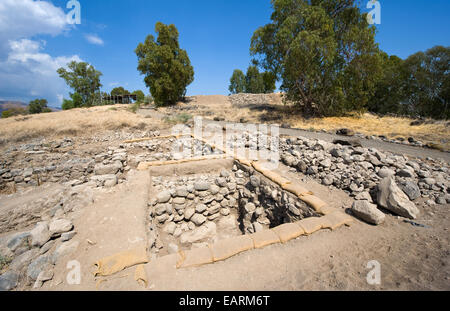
{"points": [[187, 208], [33, 254], [264, 204], [244, 99], [369, 174], [22, 170]]}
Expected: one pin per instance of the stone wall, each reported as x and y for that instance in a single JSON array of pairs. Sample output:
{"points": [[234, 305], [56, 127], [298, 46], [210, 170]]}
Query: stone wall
{"points": [[191, 211]]}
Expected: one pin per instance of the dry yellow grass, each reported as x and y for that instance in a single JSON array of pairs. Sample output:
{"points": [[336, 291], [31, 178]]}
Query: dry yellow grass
{"points": [[83, 121], [436, 133]]}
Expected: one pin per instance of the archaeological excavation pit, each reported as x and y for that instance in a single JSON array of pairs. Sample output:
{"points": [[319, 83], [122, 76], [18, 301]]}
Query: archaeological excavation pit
{"points": [[196, 204]]}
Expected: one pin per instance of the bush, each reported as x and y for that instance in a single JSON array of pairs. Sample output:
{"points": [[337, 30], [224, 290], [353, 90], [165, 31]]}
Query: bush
{"points": [[166, 66]]}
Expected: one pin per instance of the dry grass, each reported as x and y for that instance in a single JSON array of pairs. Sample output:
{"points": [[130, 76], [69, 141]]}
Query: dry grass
{"points": [[83, 121], [435, 133]]}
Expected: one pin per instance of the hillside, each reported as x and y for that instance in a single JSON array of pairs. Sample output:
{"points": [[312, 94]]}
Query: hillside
{"points": [[5, 105]]}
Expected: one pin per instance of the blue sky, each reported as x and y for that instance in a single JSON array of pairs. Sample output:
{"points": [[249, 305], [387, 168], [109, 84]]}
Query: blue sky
{"points": [[35, 39]]}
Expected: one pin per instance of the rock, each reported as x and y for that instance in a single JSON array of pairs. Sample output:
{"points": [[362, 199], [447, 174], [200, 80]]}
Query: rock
{"points": [[224, 173], [214, 189], [43, 277], [411, 189], [170, 228], [312, 170], [188, 213], [405, 173], [364, 196], [250, 207], [19, 240], [39, 264], [8, 280], [200, 208], [101, 169], [163, 197], [368, 212], [198, 219], [385, 172], [294, 210], [64, 249], [181, 192], [326, 163], [430, 181], [345, 132], [441, 200], [430, 202], [160, 209], [255, 181], [225, 211], [221, 182], [199, 234], [46, 247], [201, 185], [68, 236], [59, 226], [392, 198], [179, 200], [40, 234], [23, 260]]}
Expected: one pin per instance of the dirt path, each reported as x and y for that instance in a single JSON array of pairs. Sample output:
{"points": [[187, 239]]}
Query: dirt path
{"points": [[114, 223], [367, 143]]}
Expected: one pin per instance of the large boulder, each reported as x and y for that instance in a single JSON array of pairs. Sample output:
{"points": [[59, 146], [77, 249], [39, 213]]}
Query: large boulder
{"points": [[207, 231], [59, 226], [368, 212], [8, 280], [40, 234], [392, 198]]}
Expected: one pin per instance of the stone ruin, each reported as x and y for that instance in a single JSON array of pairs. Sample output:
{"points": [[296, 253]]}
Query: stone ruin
{"points": [[194, 210]]}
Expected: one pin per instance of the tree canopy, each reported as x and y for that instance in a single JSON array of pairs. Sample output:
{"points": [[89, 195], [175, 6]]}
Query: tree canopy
{"points": [[166, 66], [38, 106], [253, 82], [84, 80], [237, 82], [119, 91], [323, 51]]}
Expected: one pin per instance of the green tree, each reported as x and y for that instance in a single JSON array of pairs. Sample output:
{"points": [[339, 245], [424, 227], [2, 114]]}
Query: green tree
{"points": [[269, 80], [254, 82], [76, 101], [427, 83], [237, 82], [38, 106], [139, 95], [389, 96], [324, 52], [84, 80], [7, 114], [166, 66], [119, 91]]}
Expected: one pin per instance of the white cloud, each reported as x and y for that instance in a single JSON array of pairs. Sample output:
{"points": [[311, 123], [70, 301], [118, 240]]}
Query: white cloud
{"points": [[26, 18], [28, 73], [94, 39]]}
